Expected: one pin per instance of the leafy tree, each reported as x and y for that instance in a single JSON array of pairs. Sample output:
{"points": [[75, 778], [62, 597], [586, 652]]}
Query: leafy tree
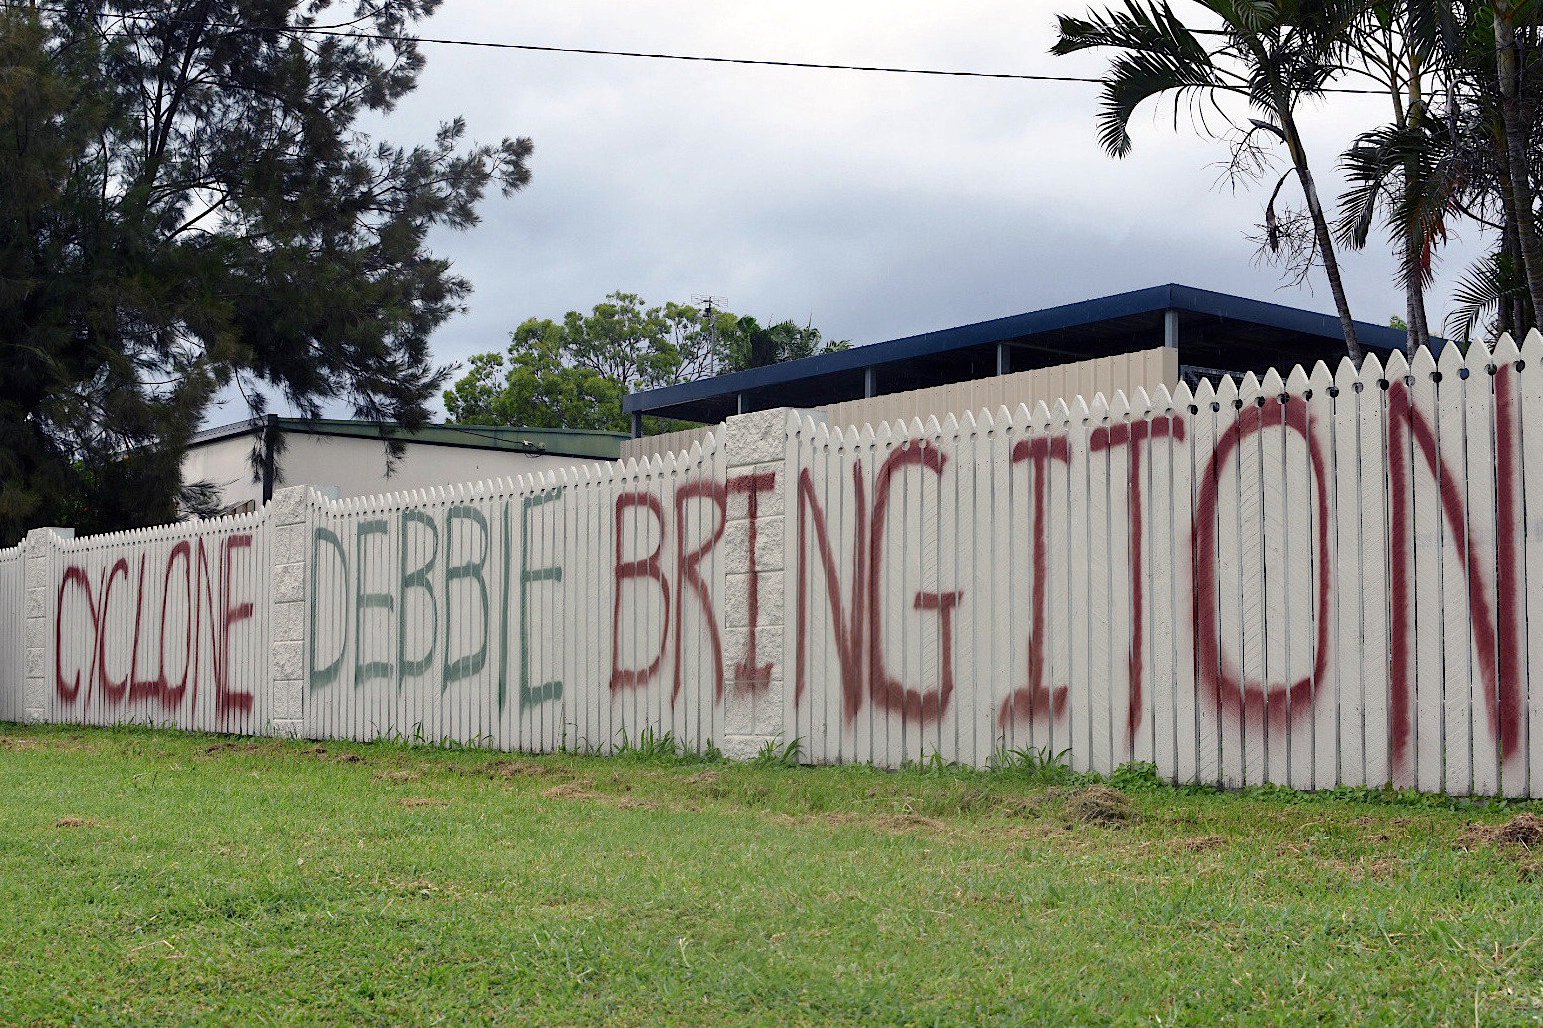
{"points": [[1270, 55], [574, 374], [189, 205]]}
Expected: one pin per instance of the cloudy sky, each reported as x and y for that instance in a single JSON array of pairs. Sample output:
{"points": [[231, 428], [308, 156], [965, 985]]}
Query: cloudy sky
{"points": [[872, 205]]}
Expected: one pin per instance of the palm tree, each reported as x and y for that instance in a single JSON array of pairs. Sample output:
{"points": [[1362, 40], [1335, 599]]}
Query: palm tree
{"points": [[1406, 167], [1273, 55], [1516, 36], [1455, 157]]}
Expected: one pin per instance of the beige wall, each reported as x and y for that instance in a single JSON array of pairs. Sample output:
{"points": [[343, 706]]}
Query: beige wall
{"points": [[354, 466], [225, 464], [1127, 371]]}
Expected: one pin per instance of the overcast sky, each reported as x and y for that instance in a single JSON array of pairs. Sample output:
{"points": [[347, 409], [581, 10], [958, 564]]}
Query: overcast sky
{"points": [[872, 205]]}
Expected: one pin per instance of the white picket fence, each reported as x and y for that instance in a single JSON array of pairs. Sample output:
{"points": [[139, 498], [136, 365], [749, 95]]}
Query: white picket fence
{"points": [[163, 626], [13, 648], [485, 614], [1313, 582], [1317, 581]]}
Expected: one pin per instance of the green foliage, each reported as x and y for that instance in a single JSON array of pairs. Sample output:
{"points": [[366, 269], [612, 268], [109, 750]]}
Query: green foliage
{"points": [[1250, 70], [1137, 776], [1041, 766], [662, 748], [191, 204], [651, 747], [772, 755], [574, 373]]}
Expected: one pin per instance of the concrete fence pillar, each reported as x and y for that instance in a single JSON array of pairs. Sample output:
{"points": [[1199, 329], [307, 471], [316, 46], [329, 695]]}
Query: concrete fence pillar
{"points": [[289, 520], [755, 698], [39, 560]]}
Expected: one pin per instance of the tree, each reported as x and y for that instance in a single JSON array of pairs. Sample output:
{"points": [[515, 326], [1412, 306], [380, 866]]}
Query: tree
{"points": [[1406, 168], [190, 204], [1515, 25], [1271, 55], [574, 374], [1451, 150]]}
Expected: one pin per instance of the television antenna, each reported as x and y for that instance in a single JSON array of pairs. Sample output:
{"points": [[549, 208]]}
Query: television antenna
{"points": [[708, 302]]}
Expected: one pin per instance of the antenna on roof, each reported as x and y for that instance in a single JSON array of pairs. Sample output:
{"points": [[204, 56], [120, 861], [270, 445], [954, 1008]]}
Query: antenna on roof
{"points": [[707, 300]]}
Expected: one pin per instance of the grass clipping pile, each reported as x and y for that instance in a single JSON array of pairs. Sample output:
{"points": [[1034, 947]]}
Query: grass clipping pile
{"points": [[1100, 805], [1524, 830]]}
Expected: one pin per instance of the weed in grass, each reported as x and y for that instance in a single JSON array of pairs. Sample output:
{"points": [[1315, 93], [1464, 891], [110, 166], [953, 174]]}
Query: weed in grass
{"points": [[772, 755], [662, 749], [1137, 776]]}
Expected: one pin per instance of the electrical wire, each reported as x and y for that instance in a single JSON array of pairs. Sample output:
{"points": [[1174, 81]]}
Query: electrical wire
{"points": [[641, 54]]}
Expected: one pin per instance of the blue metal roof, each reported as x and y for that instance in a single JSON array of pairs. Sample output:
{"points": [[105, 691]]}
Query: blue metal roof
{"points": [[1255, 333]]}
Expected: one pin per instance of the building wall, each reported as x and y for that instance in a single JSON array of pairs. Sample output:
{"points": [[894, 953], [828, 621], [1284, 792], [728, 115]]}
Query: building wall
{"points": [[355, 466], [1320, 581], [1126, 372], [227, 465]]}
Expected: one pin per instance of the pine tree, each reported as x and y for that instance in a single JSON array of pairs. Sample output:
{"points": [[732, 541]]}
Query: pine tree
{"points": [[190, 205]]}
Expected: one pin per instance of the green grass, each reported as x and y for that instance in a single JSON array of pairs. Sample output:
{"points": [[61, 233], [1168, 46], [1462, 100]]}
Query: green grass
{"points": [[161, 876]]}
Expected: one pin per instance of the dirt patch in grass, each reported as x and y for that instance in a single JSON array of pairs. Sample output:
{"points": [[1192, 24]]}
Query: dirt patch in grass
{"points": [[703, 778], [632, 803], [516, 769], [1102, 806], [1525, 830], [423, 801], [228, 747], [9, 742], [349, 758], [580, 790], [76, 822]]}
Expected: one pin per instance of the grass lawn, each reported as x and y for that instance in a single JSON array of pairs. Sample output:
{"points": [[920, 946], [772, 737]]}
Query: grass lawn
{"points": [[156, 875]]}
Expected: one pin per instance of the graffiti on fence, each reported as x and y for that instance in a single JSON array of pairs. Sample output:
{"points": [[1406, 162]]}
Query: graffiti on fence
{"points": [[1032, 579], [200, 601], [850, 572]]}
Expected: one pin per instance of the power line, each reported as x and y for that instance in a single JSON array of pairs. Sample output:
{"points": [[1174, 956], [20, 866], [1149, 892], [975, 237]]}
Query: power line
{"points": [[642, 54]]}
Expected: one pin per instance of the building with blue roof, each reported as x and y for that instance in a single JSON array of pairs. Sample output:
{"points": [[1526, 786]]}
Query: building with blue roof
{"points": [[1214, 333]]}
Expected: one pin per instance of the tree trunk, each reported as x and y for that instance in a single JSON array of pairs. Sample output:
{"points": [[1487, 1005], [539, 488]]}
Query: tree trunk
{"points": [[1514, 121], [1414, 290], [1321, 232]]}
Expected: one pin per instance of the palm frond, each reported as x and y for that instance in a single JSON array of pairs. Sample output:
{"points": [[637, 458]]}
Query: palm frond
{"points": [[1481, 290], [1159, 55]]}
